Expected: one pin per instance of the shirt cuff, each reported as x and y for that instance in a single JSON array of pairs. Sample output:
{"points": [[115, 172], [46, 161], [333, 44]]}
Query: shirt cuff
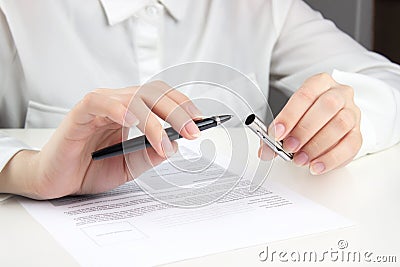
{"points": [[378, 102], [9, 147]]}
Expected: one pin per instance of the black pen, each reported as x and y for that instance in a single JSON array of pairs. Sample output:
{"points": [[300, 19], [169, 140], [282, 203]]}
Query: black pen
{"points": [[141, 142]]}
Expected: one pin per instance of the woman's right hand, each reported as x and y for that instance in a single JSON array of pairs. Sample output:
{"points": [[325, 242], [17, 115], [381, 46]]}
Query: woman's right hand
{"points": [[64, 165]]}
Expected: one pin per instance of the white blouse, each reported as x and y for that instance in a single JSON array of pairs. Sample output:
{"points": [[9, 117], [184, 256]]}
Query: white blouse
{"points": [[53, 52]]}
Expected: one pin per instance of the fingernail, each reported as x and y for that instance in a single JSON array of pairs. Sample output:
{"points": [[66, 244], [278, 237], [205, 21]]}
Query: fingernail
{"points": [[279, 131], [192, 129], [291, 144], [131, 119], [194, 111], [317, 168], [167, 146], [300, 159]]}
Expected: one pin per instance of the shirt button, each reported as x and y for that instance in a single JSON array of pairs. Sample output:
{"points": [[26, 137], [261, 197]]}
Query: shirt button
{"points": [[151, 11]]}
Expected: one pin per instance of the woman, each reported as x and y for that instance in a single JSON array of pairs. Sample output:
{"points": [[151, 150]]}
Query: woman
{"points": [[54, 53]]}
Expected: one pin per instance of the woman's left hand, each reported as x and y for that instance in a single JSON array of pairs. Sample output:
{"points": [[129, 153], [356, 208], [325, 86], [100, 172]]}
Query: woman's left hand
{"points": [[320, 124]]}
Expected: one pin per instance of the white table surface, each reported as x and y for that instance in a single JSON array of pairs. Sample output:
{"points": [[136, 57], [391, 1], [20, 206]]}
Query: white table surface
{"points": [[366, 191]]}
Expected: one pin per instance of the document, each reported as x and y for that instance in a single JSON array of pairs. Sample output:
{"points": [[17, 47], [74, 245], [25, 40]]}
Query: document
{"points": [[133, 226]]}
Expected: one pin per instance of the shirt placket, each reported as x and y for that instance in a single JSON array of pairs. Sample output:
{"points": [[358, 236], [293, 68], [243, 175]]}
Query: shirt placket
{"points": [[148, 26]]}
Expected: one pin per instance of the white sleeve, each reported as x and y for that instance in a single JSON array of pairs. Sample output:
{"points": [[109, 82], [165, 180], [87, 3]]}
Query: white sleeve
{"points": [[8, 148], [308, 45], [380, 110], [11, 115]]}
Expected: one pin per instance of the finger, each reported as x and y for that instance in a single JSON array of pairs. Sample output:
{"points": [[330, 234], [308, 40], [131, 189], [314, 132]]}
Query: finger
{"points": [[158, 94], [265, 153], [299, 103], [141, 161], [339, 155], [170, 111], [180, 98], [319, 114], [96, 104], [344, 121], [123, 95], [93, 111], [151, 127]]}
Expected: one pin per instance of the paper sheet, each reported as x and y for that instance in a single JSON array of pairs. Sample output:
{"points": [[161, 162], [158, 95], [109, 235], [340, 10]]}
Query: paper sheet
{"points": [[128, 227]]}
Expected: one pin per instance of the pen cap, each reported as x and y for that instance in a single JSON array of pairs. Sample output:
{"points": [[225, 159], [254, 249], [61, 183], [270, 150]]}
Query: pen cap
{"points": [[260, 129], [256, 124]]}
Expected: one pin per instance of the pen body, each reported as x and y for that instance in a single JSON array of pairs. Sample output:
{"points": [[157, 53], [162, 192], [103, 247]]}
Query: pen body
{"points": [[260, 129], [130, 145], [141, 142]]}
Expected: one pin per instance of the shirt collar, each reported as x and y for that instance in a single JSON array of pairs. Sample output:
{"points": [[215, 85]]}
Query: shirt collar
{"points": [[119, 10], [176, 8]]}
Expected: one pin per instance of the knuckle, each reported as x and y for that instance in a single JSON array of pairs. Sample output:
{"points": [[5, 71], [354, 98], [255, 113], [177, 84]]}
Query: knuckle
{"points": [[357, 141], [134, 90], [306, 94], [152, 125], [184, 98], [303, 129], [324, 76], [119, 109], [313, 147], [333, 158], [135, 102], [332, 101], [348, 89], [160, 84], [99, 90], [89, 98], [353, 144], [142, 90], [345, 120], [336, 158]]}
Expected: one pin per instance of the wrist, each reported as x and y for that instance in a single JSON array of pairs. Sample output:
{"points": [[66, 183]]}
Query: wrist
{"points": [[19, 175]]}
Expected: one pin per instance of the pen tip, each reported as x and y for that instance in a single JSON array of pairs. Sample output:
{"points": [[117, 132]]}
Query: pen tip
{"points": [[225, 118]]}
